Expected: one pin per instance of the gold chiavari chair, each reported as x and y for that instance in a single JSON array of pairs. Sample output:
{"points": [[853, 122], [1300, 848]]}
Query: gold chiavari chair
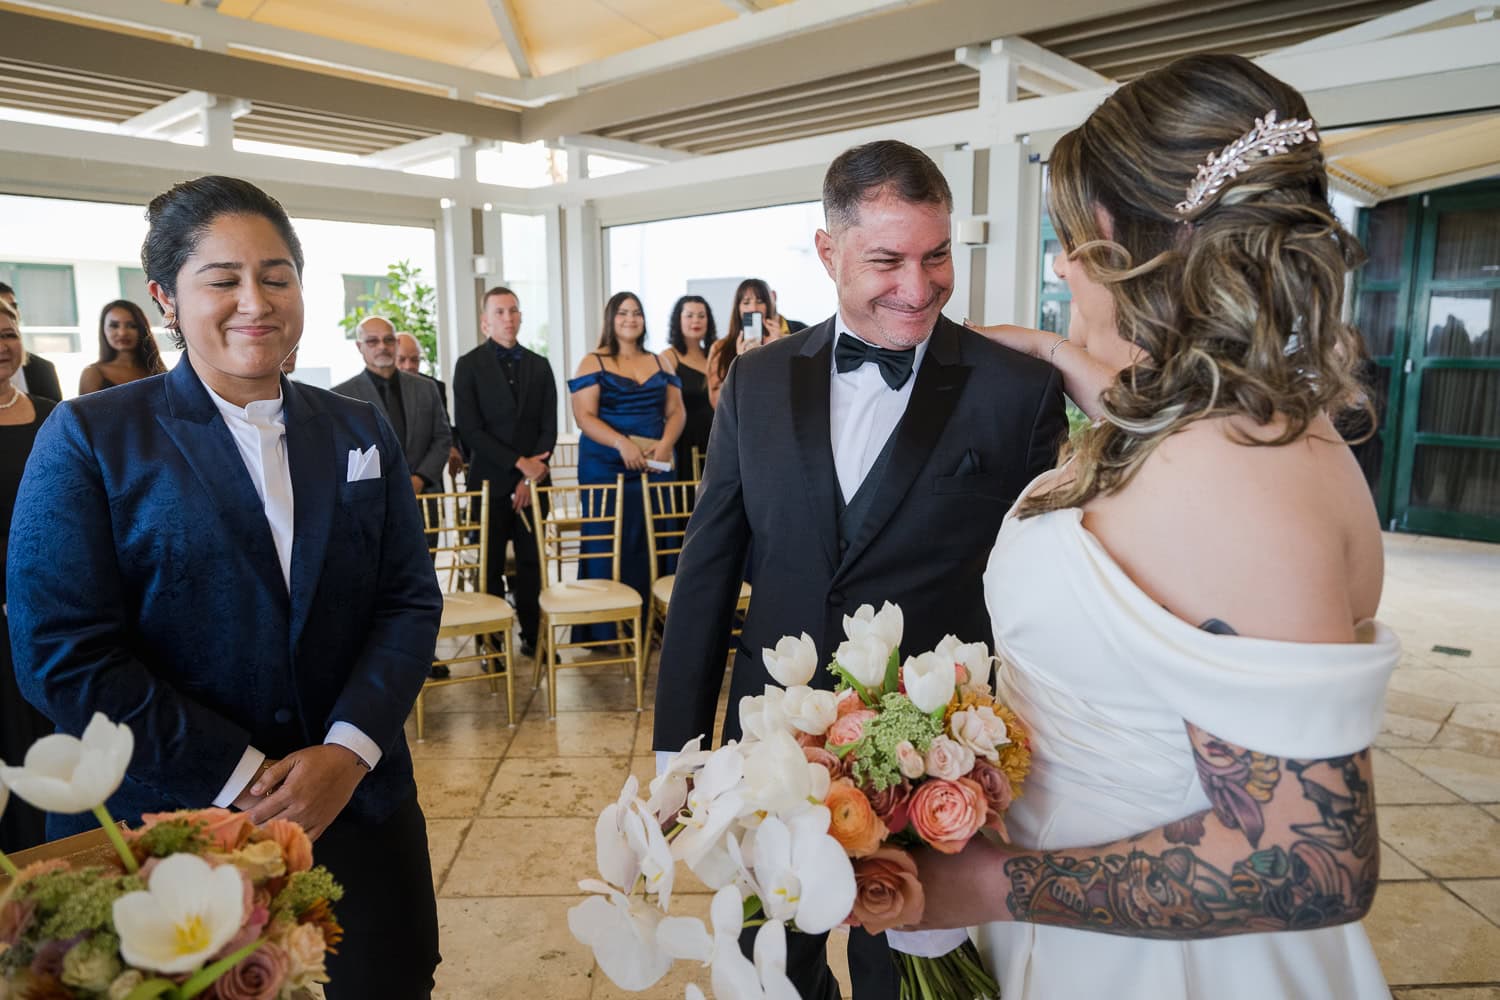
{"points": [[456, 537], [563, 465], [560, 514], [668, 506], [698, 458]]}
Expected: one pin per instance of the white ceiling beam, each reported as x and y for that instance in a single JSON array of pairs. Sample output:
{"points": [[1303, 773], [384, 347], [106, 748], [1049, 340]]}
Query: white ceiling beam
{"points": [[1049, 64], [1413, 18], [1446, 180], [1393, 135], [740, 7], [510, 33], [169, 117], [621, 149], [417, 151]]}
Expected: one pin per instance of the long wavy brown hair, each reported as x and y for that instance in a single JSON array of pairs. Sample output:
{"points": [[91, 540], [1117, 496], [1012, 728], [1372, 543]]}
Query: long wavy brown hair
{"points": [[1236, 306]]}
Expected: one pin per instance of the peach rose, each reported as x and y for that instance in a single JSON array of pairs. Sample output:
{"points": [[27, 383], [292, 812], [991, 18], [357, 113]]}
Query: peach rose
{"points": [[828, 759], [228, 830], [910, 761], [849, 701], [849, 728], [295, 846], [886, 891], [854, 824], [947, 814]]}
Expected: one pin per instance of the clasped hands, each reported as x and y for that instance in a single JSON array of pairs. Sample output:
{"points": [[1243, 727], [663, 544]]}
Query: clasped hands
{"points": [[310, 787], [635, 457]]}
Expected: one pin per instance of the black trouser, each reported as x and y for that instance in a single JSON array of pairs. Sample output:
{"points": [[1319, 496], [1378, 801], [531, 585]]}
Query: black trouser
{"points": [[21, 825], [506, 525], [389, 912], [871, 968]]}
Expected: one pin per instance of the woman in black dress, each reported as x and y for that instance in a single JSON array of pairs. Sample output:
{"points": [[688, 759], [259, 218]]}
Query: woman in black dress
{"points": [[20, 725], [692, 333], [127, 350]]}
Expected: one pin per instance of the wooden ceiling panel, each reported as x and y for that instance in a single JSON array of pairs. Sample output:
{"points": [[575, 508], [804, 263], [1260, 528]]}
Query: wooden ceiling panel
{"points": [[1402, 160], [562, 34], [666, 18]]}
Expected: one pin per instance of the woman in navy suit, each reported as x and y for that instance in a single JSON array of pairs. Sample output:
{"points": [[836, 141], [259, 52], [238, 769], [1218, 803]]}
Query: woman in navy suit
{"points": [[239, 574]]}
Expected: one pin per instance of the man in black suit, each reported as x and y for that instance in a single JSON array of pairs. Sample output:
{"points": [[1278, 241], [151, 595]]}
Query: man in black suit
{"points": [[505, 399], [38, 376], [869, 458]]}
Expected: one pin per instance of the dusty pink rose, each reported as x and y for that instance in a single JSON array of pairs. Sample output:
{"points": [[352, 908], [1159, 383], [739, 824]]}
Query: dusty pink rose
{"points": [[849, 728], [849, 701], [15, 918], [257, 977], [809, 739], [947, 814], [910, 761], [892, 806], [296, 848], [254, 924], [886, 891], [997, 794], [828, 759], [948, 760]]}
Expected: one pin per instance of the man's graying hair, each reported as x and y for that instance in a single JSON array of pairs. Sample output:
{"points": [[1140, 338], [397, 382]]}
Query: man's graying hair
{"points": [[861, 173]]}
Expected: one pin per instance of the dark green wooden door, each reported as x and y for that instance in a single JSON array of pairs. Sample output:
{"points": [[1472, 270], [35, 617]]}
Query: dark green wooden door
{"points": [[1445, 412]]}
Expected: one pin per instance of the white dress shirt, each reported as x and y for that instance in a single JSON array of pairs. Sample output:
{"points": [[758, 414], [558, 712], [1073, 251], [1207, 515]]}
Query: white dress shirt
{"points": [[863, 412], [259, 431]]}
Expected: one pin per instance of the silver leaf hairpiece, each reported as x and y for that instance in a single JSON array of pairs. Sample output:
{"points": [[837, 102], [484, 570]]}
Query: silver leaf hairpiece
{"points": [[1268, 138]]}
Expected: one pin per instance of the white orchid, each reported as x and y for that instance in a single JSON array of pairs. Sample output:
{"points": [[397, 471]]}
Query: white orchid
{"points": [[618, 862], [763, 714], [929, 680], [715, 803], [65, 774], [810, 710], [779, 779], [794, 660], [670, 788], [188, 912], [864, 659], [6, 867], [981, 730], [622, 933], [658, 867], [972, 656], [887, 624], [801, 873]]}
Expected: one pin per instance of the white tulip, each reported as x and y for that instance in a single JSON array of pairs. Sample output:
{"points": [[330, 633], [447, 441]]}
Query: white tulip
{"points": [[189, 911], [65, 774], [763, 714], [972, 656], [779, 780], [886, 624], [929, 680], [793, 661], [809, 710], [865, 660]]}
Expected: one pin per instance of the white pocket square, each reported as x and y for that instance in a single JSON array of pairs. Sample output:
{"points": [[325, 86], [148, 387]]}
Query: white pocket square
{"points": [[364, 464]]}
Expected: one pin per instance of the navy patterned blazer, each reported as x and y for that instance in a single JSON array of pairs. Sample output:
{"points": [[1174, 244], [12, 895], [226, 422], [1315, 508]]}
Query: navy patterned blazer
{"points": [[144, 584]]}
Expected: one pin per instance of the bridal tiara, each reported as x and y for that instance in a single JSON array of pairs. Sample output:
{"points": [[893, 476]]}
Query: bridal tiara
{"points": [[1268, 138]]}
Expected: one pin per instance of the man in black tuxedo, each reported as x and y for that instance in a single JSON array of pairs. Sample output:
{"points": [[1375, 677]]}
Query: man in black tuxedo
{"points": [[505, 399], [869, 458], [38, 376]]}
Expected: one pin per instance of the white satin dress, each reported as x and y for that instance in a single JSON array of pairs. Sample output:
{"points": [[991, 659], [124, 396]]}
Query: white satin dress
{"points": [[1105, 677]]}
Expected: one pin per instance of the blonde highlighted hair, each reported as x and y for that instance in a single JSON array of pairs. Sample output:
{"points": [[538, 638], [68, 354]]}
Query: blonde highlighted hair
{"points": [[1236, 306]]}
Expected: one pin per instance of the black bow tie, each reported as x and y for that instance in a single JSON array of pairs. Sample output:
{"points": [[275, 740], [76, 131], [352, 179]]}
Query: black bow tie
{"points": [[511, 354], [895, 366]]}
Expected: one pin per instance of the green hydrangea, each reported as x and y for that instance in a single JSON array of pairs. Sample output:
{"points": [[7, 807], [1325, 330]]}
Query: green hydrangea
{"points": [[874, 754], [304, 889], [175, 836], [77, 902]]}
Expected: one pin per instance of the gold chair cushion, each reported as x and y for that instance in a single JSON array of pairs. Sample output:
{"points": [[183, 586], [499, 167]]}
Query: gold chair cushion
{"points": [[466, 608], [662, 589], [589, 595]]}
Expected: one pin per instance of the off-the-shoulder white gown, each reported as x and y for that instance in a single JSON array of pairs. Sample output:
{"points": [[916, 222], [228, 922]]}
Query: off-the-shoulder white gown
{"points": [[1105, 678]]}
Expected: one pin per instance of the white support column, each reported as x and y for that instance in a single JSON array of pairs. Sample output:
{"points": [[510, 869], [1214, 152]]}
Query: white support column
{"points": [[958, 167], [556, 297], [458, 327], [1013, 253], [218, 123], [584, 310]]}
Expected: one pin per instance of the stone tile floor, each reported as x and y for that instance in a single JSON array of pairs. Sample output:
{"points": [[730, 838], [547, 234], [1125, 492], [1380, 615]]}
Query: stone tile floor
{"points": [[510, 811]]}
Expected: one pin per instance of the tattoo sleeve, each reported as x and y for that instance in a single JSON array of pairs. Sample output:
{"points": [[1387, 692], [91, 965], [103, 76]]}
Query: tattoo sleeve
{"points": [[1270, 854]]}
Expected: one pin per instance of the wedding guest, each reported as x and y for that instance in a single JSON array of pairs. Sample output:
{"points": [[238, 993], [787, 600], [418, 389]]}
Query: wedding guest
{"points": [[245, 582], [692, 334], [409, 360], [127, 350], [752, 296], [38, 376], [628, 404], [1185, 612], [21, 825]]}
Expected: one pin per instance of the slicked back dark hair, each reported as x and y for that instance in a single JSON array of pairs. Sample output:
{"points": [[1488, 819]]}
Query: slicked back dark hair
{"points": [[675, 335], [886, 164], [179, 218]]}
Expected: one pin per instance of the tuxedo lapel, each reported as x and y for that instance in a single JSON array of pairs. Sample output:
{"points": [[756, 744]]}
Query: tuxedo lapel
{"points": [[810, 382], [939, 383], [315, 470], [195, 426]]}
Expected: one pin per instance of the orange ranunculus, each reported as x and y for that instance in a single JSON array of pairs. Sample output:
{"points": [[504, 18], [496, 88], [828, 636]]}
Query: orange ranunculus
{"points": [[854, 824], [296, 848], [947, 814], [886, 891]]}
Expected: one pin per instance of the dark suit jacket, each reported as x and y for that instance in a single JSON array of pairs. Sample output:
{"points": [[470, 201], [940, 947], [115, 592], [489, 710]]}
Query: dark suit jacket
{"points": [[144, 584], [41, 378], [982, 421], [427, 434], [499, 426]]}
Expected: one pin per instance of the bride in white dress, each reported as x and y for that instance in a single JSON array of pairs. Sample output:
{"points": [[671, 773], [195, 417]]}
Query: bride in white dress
{"points": [[1185, 611]]}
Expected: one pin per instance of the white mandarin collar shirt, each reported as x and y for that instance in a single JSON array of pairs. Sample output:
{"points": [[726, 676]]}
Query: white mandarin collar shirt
{"points": [[259, 432], [863, 412]]}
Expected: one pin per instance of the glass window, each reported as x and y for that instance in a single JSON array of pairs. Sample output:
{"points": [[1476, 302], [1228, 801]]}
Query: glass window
{"points": [[133, 287], [359, 289], [1051, 250], [44, 293], [1385, 234], [523, 255], [1468, 245], [1462, 324], [1054, 316], [604, 166], [1375, 317], [522, 165], [1460, 401], [1457, 480]]}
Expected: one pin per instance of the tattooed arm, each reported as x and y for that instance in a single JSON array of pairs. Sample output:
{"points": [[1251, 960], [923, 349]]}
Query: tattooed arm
{"points": [[1286, 845]]}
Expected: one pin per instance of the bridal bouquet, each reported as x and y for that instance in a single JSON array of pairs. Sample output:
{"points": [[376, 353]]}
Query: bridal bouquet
{"points": [[197, 903], [808, 821]]}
